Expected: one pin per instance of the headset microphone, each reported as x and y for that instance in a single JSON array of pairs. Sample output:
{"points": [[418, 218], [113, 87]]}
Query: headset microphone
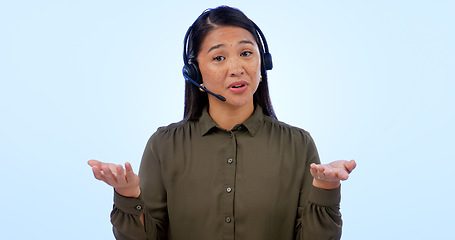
{"points": [[188, 79]]}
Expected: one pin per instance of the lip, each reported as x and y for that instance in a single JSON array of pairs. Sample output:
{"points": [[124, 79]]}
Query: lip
{"points": [[238, 86]]}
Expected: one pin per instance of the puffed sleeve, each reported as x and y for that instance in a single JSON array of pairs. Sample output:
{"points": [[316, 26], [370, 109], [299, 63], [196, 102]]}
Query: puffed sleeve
{"points": [[125, 216], [318, 213]]}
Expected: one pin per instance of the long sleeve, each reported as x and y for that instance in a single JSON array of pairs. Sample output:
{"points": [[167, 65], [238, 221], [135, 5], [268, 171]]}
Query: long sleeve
{"points": [[125, 216], [319, 218], [318, 213]]}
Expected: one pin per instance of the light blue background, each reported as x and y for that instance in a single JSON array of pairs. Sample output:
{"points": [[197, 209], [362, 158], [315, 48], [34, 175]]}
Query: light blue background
{"points": [[370, 80]]}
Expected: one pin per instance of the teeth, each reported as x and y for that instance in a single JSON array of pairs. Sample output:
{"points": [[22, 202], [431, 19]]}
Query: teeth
{"points": [[237, 86]]}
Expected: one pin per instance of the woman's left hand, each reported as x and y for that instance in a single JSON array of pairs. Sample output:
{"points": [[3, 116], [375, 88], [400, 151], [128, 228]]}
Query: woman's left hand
{"points": [[328, 176]]}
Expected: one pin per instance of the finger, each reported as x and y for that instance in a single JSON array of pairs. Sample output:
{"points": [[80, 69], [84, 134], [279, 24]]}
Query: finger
{"points": [[321, 176], [109, 176], [97, 173], [113, 168], [121, 180], [313, 169], [331, 174], [343, 175], [350, 166], [316, 167], [128, 167], [321, 173], [131, 177], [314, 172], [328, 170], [129, 171], [93, 162], [313, 166]]}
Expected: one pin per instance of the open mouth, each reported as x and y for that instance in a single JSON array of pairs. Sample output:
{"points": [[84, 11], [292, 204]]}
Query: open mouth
{"points": [[238, 86]]}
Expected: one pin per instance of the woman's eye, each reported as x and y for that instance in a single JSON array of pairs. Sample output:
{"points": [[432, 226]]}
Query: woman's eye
{"points": [[246, 54], [218, 58]]}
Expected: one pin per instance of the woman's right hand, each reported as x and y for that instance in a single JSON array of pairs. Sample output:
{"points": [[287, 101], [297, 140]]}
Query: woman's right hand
{"points": [[124, 181]]}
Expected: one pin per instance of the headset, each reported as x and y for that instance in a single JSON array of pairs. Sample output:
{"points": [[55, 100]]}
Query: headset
{"points": [[191, 71]]}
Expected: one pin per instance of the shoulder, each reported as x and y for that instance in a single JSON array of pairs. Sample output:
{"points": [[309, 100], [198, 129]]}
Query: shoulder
{"points": [[174, 126], [282, 130], [173, 129], [276, 124], [165, 137]]}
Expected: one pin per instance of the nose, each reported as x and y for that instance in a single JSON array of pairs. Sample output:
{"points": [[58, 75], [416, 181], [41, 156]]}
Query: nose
{"points": [[236, 68]]}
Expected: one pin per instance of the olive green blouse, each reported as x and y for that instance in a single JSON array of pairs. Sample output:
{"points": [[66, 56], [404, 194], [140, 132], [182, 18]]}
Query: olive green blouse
{"points": [[202, 182]]}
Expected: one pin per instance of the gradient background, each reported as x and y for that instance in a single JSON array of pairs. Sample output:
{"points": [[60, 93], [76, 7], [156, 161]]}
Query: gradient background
{"points": [[370, 80]]}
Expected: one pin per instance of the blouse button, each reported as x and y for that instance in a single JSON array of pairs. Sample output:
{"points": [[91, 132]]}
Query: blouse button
{"points": [[228, 219], [229, 190], [138, 207], [230, 160]]}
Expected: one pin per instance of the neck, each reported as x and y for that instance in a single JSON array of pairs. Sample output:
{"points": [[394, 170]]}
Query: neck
{"points": [[229, 116]]}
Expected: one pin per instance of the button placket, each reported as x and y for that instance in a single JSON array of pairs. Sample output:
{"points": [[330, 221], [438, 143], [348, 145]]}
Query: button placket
{"points": [[229, 183]]}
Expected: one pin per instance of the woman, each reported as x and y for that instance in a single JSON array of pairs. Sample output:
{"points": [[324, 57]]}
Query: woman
{"points": [[230, 169]]}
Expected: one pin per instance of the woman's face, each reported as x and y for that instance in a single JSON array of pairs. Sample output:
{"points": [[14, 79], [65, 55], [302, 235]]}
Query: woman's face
{"points": [[230, 65]]}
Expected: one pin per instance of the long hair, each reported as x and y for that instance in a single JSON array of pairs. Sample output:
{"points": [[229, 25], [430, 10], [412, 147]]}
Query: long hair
{"points": [[195, 100]]}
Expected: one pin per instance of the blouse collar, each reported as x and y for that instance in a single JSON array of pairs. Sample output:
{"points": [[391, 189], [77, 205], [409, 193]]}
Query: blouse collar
{"points": [[251, 125]]}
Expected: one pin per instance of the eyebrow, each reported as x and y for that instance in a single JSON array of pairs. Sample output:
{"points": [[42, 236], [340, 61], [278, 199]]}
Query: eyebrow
{"points": [[222, 45]]}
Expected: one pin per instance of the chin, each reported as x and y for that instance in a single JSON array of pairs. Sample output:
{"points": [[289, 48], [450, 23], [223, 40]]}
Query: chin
{"points": [[239, 102]]}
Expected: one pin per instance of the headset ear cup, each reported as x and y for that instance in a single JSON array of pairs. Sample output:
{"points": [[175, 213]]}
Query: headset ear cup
{"points": [[192, 70], [268, 61]]}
